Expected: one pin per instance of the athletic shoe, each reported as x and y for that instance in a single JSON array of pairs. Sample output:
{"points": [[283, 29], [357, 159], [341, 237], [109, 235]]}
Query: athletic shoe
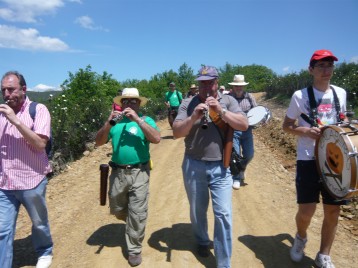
{"points": [[135, 260], [236, 184], [296, 251], [323, 261], [44, 261]]}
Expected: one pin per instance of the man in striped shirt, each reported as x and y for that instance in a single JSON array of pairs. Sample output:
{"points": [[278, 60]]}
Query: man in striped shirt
{"points": [[23, 168]]}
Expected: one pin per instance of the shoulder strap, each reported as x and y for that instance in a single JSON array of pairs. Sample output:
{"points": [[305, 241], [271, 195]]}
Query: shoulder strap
{"points": [[336, 104], [312, 119], [249, 98], [32, 110], [180, 99]]}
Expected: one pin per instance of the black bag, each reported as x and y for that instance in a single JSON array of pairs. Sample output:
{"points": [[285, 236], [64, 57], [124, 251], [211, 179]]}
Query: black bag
{"points": [[236, 163]]}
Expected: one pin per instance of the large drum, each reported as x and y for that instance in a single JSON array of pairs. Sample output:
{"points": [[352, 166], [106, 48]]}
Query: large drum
{"points": [[258, 116], [336, 157]]}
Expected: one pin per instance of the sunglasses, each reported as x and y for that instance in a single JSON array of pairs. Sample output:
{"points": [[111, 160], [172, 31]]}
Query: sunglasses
{"points": [[129, 101]]}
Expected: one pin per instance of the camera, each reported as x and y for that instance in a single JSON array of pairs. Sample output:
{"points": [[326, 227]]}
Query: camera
{"points": [[116, 119]]}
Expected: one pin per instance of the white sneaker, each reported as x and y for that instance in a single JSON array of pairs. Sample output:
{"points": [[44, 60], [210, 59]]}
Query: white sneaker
{"points": [[236, 185], [323, 261], [296, 252], [44, 261]]}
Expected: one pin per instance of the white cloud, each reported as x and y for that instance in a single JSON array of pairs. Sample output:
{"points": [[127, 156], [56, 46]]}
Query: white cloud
{"points": [[354, 59], [44, 88], [29, 39], [87, 23], [28, 10], [286, 69]]}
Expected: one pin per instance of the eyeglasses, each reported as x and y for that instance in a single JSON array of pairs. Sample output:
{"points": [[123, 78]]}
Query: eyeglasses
{"points": [[322, 67], [129, 101]]}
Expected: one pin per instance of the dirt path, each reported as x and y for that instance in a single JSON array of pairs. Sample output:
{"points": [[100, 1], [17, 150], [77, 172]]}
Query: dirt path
{"points": [[85, 235]]}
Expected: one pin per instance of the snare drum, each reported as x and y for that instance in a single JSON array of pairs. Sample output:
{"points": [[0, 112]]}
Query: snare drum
{"points": [[258, 116], [336, 158]]}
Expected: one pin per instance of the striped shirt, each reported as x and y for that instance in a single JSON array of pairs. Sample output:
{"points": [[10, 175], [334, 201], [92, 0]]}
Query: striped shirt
{"points": [[244, 101], [22, 167]]}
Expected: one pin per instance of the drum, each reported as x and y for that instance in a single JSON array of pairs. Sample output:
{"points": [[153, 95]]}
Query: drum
{"points": [[336, 158], [258, 116]]}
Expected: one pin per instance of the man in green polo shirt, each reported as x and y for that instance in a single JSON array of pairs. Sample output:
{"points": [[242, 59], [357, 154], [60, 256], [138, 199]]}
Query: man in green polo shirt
{"points": [[173, 98], [130, 134]]}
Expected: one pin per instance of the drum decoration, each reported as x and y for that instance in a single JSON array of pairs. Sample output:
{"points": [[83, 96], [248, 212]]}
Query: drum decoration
{"points": [[336, 158], [258, 116]]}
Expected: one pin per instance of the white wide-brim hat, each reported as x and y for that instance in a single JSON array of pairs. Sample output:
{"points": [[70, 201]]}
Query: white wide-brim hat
{"points": [[239, 80], [130, 93]]}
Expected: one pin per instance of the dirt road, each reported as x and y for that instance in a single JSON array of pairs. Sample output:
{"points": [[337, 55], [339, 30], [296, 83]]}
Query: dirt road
{"points": [[86, 236]]}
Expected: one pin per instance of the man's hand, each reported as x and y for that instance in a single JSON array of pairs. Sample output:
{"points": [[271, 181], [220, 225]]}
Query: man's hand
{"points": [[9, 114]]}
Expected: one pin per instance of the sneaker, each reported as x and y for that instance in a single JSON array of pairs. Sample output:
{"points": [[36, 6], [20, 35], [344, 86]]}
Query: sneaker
{"points": [[204, 251], [44, 261], [236, 184], [135, 260], [296, 251], [323, 261]]}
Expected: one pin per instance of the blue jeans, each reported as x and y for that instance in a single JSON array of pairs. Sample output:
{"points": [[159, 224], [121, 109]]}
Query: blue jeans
{"points": [[200, 177], [243, 143], [35, 203]]}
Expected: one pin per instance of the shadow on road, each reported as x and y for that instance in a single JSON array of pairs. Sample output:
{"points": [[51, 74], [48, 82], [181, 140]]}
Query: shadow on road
{"points": [[178, 237], [24, 253], [273, 252], [111, 235]]}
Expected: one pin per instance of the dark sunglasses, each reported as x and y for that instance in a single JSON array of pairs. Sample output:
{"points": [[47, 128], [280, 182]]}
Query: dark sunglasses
{"points": [[129, 101]]}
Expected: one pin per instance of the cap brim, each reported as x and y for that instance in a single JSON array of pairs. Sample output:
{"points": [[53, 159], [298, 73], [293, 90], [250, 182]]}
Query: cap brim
{"points": [[325, 57], [205, 77]]}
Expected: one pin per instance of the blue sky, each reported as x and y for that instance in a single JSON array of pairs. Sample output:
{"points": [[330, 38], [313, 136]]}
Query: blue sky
{"points": [[136, 39]]}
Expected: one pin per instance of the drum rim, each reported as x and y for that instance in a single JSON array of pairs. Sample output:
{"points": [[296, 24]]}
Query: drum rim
{"points": [[265, 118], [353, 162]]}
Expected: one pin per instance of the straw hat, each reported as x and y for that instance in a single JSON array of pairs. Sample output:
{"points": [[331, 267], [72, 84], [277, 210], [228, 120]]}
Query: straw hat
{"points": [[193, 86], [239, 80], [130, 93]]}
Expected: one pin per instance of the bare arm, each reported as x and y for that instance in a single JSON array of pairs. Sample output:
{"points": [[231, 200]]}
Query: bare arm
{"points": [[150, 132], [289, 125], [237, 121]]}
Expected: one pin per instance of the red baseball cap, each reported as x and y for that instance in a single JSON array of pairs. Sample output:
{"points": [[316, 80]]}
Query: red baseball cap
{"points": [[321, 54]]}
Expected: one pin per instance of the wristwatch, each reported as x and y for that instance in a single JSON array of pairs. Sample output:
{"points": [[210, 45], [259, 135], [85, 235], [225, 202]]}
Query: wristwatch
{"points": [[223, 112]]}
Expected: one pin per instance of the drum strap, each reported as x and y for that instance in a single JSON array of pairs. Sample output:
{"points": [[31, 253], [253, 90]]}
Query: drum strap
{"points": [[313, 118]]}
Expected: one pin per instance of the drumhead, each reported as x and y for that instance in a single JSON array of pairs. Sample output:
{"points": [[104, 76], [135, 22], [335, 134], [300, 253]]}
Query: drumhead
{"points": [[337, 168], [257, 115]]}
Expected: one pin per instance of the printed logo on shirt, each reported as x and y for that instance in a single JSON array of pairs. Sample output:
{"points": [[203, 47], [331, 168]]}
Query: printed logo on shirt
{"points": [[326, 112], [133, 130]]}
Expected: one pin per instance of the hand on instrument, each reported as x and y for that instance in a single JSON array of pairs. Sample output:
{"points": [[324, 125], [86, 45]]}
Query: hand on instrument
{"points": [[213, 104], [131, 114], [199, 111], [313, 132]]}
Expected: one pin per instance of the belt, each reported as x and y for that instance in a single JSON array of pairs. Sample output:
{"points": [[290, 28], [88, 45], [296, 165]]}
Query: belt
{"points": [[138, 165]]}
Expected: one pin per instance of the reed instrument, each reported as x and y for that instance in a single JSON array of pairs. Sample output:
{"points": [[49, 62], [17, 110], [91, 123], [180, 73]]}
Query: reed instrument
{"points": [[116, 119], [206, 116]]}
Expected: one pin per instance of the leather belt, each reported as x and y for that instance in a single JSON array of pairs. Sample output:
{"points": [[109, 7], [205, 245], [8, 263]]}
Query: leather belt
{"points": [[138, 165]]}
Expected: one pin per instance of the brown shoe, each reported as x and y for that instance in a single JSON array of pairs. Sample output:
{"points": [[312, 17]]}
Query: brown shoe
{"points": [[135, 260], [121, 216]]}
